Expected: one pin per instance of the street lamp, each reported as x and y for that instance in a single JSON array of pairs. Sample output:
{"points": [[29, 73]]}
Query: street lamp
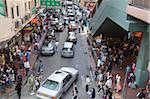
{"points": [[124, 89]]}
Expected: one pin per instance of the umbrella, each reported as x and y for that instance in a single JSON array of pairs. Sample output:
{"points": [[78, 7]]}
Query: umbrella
{"points": [[34, 21]]}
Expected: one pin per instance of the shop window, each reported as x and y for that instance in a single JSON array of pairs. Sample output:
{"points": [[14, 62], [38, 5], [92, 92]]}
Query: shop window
{"points": [[17, 10], [25, 6], [29, 5]]}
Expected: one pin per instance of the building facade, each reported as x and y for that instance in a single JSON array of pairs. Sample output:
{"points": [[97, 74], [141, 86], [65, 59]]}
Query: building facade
{"points": [[17, 13]]}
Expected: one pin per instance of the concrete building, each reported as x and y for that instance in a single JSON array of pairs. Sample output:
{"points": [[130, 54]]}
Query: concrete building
{"points": [[118, 18], [17, 13]]}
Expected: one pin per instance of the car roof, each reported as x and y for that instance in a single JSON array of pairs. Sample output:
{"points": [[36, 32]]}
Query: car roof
{"points": [[68, 44], [72, 36], [58, 76], [69, 69], [72, 22], [71, 33]]}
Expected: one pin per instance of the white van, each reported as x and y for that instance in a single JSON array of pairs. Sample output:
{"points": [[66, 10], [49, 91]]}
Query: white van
{"points": [[68, 50]]}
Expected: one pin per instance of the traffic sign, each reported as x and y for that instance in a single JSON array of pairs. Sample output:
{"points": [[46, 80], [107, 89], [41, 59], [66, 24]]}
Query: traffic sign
{"points": [[50, 3]]}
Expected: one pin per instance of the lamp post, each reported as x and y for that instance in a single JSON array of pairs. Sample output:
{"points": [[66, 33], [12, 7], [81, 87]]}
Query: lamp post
{"points": [[124, 90]]}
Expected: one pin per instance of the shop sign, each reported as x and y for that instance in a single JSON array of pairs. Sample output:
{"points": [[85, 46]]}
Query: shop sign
{"points": [[50, 3], [148, 68]]}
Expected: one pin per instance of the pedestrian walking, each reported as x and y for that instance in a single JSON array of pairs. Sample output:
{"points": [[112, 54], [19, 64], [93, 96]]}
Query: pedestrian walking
{"points": [[87, 82], [109, 83], [18, 89], [40, 67], [27, 66], [37, 83], [93, 93], [56, 45], [36, 46], [117, 82], [79, 28], [148, 88], [31, 83], [75, 91], [100, 87]]}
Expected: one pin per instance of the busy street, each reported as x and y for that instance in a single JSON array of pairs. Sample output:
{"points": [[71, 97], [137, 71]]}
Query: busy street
{"points": [[74, 49]]}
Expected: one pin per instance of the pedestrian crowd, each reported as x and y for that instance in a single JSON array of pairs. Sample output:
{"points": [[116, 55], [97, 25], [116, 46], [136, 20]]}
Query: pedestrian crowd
{"points": [[16, 57], [114, 54]]}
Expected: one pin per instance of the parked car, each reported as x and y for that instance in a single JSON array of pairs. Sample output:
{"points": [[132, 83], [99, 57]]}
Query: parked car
{"points": [[57, 83], [59, 27], [68, 50], [48, 47]]}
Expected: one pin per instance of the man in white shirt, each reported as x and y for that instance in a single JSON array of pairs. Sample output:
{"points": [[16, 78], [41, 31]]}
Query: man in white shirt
{"points": [[56, 43]]}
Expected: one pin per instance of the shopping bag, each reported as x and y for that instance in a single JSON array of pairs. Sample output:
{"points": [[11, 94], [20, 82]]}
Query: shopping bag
{"points": [[27, 64]]}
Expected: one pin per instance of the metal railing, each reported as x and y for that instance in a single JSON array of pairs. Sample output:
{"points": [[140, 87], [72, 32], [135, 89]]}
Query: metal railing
{"points": [[144, 4]]}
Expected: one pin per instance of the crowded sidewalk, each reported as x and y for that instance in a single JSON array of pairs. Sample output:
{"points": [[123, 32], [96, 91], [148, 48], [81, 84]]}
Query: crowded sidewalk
{"points": [[109, 63], [17, 61]]}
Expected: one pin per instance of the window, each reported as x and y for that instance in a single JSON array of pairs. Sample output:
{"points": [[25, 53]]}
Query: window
{"points": [[29, 4], [66, 80], [6, 8], [25, 6], [35, 3], [17, 10], [12, 12], [52, 85]]}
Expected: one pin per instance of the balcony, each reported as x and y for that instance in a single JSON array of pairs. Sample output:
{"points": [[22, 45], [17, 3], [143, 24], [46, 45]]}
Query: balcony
{"points": [[139, 9]]}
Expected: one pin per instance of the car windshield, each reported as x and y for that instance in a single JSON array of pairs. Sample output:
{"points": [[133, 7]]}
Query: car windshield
{"points": [[66, 49], [52, 85], [46, 43], [54, 19], [72, 33]]}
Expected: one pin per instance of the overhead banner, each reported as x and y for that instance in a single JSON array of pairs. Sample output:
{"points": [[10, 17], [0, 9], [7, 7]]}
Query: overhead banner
{"points": [[2, 8]]}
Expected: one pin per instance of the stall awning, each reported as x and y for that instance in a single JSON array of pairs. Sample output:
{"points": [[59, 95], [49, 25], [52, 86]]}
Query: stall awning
{"points": [[34, 21]]}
